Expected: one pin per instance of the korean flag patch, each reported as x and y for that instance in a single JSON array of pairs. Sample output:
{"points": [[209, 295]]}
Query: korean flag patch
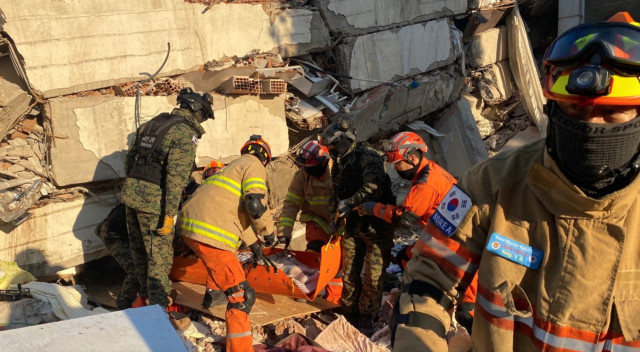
{"points": [[453, 208]]}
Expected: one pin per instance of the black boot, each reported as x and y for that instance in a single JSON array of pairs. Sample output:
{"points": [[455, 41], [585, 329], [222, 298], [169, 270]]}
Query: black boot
{"points": [[365, 324], [213, 298]]}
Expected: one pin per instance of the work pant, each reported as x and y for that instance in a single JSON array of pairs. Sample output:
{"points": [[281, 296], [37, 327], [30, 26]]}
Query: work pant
{"points": [[373, 252], [152, 255], [225, 272], [114, 235]]}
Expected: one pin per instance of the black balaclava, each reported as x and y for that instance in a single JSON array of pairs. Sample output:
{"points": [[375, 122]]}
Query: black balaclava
{"points": [[316, 170], [341, 148], [600, 158]]}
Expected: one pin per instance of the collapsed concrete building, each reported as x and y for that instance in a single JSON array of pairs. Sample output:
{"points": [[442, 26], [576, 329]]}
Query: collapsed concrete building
{"points": [[454, 71]]}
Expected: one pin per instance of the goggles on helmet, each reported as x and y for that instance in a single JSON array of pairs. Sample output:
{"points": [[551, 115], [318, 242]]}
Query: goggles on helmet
{"points": [[617, 43]]}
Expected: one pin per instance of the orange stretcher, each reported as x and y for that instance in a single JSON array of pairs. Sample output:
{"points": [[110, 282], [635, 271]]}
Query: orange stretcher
{"points": [[191, 269]]}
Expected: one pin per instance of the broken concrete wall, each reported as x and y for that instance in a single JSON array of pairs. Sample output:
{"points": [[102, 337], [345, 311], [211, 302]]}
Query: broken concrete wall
{"points": [[488, 47], [96, 131], [462, 146], [72, 46], [347, 17], [395, 54], [496, 84], [384, 109], [57, 236], [14, 102]]}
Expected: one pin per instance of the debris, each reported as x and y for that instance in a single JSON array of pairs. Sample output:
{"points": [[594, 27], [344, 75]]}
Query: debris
{"points": [[341, 336], [13, 204]]}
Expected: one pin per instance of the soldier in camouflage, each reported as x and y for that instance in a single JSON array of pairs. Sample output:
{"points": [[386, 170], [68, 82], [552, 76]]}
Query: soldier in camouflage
{"points": [[158, 166], [358, 176], [113, 232]]}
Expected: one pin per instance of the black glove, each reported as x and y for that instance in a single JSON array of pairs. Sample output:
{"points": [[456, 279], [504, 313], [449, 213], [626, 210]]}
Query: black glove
{"points": [[270, 240], [408, 219], [286, 240], [464, 315], [257, 255]]}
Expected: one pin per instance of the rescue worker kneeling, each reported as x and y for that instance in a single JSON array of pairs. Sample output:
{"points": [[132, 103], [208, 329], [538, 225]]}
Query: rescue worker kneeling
{"points": [[217, 219]]}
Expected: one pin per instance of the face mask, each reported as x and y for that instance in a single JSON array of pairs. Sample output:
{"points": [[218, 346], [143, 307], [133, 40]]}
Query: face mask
{"points": [[408, 174], [316, 171], [340, 148], [594, 156]]}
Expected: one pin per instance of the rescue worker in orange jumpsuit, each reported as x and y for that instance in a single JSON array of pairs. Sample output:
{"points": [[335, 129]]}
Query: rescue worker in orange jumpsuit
{"points": [[218, 218], [309, 193], [552, 228]]}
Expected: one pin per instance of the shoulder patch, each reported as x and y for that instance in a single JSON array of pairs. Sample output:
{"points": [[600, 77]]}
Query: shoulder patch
{"points": [[453, 208], [195, 140]]}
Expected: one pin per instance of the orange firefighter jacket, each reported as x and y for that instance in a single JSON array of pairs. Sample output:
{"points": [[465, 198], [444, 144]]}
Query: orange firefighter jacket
{"points": [[310, 195], [429, 186], [216, 214], [583, 296]]}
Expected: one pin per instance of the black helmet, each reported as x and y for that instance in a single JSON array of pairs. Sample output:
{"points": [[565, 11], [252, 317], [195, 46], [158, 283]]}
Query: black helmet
{"points": [[195, 102], [337, 132]]}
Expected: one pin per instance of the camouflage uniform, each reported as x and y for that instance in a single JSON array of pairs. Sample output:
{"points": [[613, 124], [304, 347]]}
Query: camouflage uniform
{"points": [[147, 204], [359, 176], [113, 232]]}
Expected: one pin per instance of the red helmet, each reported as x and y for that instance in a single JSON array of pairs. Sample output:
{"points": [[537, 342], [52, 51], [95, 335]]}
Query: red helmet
{"points": [[312, 153], [396, 149], [211, 168], [258, 147]]}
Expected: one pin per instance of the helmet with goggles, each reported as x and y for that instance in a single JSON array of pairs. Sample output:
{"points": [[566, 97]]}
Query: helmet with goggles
{"points": [[195, 102], [211, 168], [401, 145], [257, 147], [595, 63], [312, 154]]}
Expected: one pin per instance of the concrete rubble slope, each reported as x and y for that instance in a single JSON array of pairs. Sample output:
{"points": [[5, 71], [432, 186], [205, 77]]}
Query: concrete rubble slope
{"points": [[395, 54], [14, 102], [97, 131], [142, 329], [77, 45], [348, 17], [58, 235]]}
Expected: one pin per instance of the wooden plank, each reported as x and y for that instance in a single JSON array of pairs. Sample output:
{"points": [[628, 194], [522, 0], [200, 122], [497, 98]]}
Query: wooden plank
{"points": [[266, 310]]}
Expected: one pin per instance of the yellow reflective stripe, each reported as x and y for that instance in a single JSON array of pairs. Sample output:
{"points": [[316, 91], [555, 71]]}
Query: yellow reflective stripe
{"points": [[224, 182], [216, 233], [318, 220], [253, 182], [285, 221], [318, 200], [293, 198], [624, 87]]}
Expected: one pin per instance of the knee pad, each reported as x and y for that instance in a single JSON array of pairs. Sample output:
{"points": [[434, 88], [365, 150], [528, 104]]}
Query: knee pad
{"points": [[249, 297]]}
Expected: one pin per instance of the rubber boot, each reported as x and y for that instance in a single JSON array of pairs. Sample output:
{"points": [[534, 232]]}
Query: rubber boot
{"points": [[213, 298], [365, 324]]}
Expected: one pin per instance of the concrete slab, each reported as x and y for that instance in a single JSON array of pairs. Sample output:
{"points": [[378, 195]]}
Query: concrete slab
{"points": [[347, 17], [525, 71], [496, 84], [98, 130], [384, 110], [488, 47], [395, 54], [139, 329], [57, 236], [462, 146], [76, 45], [13, 103]]}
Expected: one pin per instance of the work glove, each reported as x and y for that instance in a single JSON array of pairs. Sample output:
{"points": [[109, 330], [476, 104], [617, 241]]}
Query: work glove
{"points": [[464, 315], [343, 207], [333, 227], [286, 240], [408, 219], [366, 208], [258, 255], [167, 225], [269, 240]]}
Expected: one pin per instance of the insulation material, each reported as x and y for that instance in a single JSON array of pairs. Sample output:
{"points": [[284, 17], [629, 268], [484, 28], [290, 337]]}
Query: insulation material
{"points": [[66, 301], [14, 102], [358, 17], [525, 71], [340, 336], [78, 45], [395, 54]]}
